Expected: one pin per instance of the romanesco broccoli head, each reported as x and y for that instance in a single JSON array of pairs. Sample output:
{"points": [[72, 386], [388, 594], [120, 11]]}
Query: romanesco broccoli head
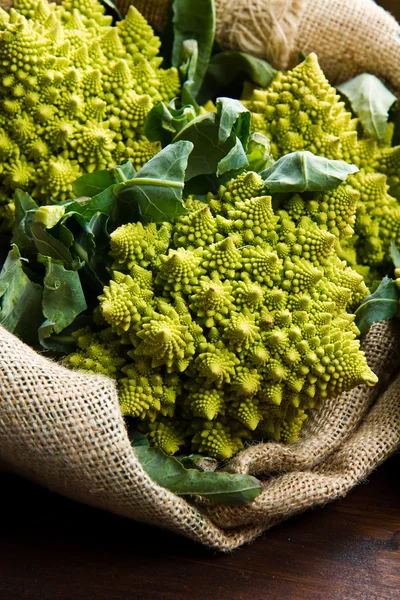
{"points": [[235, 318], [74, 94], [301, 111]]}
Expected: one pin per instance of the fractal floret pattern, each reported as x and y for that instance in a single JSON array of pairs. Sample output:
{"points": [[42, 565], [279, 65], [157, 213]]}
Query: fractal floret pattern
{"points": [[74, 93], [301, 111], [235, 322]]}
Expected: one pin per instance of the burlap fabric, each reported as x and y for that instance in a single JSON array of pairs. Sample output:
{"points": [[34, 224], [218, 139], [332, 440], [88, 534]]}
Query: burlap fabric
{"points": [[349, 36], [64, 429]]}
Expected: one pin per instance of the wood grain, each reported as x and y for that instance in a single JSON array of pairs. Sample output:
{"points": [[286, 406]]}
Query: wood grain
{"points": [[53, 548]]}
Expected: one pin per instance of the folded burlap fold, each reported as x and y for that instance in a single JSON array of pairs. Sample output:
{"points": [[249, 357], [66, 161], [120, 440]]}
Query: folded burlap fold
{"points": [[64, 430]]}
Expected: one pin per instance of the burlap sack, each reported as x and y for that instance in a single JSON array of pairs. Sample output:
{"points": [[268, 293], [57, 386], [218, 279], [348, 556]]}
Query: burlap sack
{"points": [[64, 429], [349, 36]]}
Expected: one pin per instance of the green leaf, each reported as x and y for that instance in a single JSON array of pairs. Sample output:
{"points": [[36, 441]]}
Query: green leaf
{"points": [[235, 160], [62, 342], [91, 245], [227, 72], [21, 299], [394, 254], [91, 184], [371, 102], [220, 487], [25, 209], [208, 151], [102, 202], [154, 194], [48, 245], [137, 439], [188, 61], [164, 122], [233, 117], [304, 171], [194, 20], [259, 152], [396, 133], [382, 305], [63, 297]]}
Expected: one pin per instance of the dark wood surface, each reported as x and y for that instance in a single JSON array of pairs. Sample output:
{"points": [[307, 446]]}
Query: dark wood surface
{"points": [[52, 548], [392, 5]]}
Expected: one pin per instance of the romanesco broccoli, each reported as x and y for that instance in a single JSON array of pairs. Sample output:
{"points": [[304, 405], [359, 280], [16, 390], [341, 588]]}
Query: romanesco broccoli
{"points": [[301, 111], [234, 319], [74, 93]]}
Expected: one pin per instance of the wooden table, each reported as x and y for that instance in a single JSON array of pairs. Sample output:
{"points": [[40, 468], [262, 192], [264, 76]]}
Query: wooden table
{"points": [[52, 548]]}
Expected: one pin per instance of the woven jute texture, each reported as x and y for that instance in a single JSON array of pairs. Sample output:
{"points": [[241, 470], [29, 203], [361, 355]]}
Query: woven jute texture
{"points": [[64, 430], [349, 36]]}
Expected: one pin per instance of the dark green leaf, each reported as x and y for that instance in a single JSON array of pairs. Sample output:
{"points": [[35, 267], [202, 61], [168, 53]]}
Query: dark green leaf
{"points": [[382, 305], [188, 69], [207, 151], [233, 117], [102, 202], [395, 254], [21, 299], [396, 133], [371, 102], [97, 250], [304, 171], [91, 184], [154, 194], [194, 20], [137, 439], [63, 297], [62, 342], [228, 70], [64, 235], [220, 487], [48, 245], [164, 122], [25, 209]]}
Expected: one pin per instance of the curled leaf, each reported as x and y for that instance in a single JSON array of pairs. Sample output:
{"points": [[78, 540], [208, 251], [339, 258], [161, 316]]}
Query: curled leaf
{"points": [[220, 487], [154, 194], [63, 297], [382, 305], [21, 299], [371, 102], [194, 20], [306, 172]]}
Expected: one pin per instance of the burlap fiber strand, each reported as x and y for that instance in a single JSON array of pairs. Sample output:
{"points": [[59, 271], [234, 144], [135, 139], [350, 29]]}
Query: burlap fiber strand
{"points": [[349, 36], [64, 430]]}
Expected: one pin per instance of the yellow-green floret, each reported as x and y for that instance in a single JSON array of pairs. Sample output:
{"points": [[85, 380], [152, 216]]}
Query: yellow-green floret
{"points": [[301, 111], [237, 338], [74, 93]]}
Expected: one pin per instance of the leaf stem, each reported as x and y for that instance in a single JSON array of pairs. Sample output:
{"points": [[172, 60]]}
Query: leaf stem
{"points": [[154, 181]]}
